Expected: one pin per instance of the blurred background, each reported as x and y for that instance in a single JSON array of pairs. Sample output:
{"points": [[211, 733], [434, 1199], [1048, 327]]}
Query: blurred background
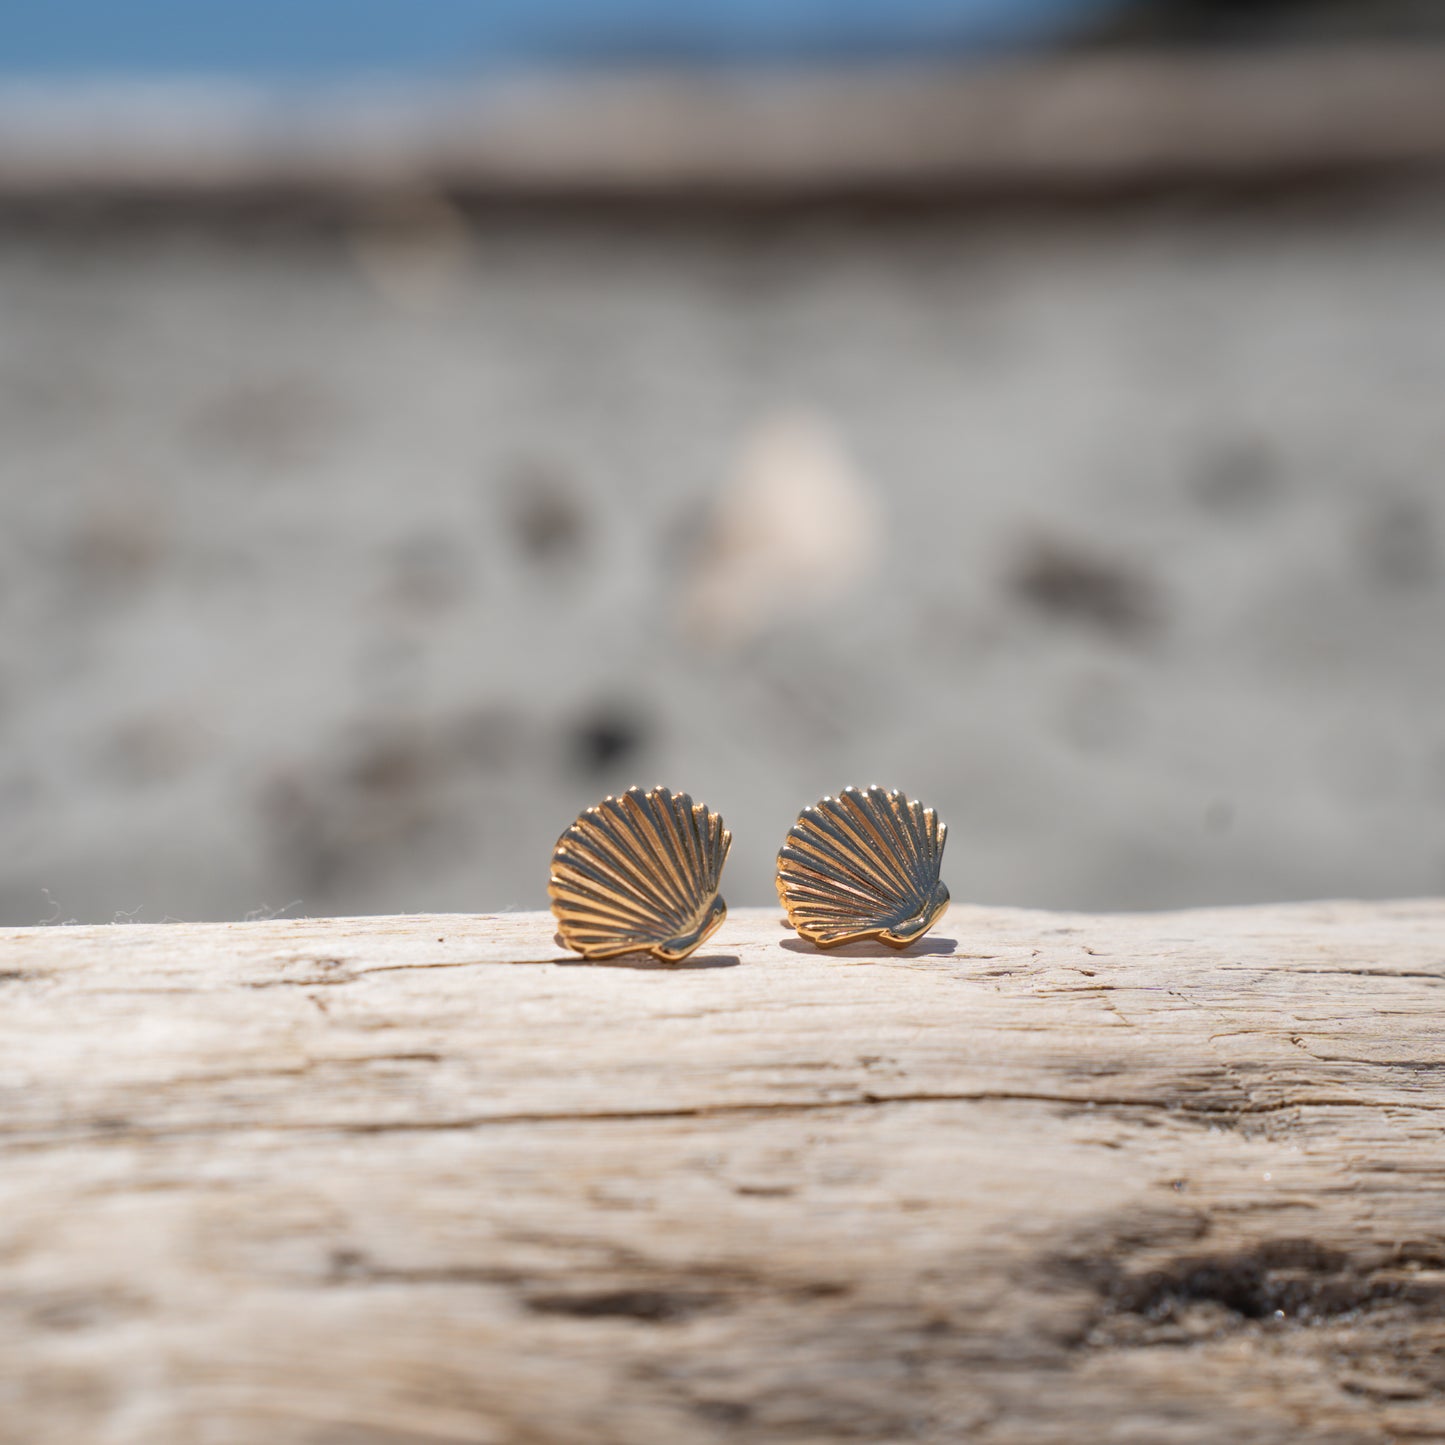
{"points": [[417, 421]]}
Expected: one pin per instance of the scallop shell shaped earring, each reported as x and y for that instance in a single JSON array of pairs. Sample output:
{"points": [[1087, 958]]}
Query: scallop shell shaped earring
{"points": [[863, 865], [639, 874]]}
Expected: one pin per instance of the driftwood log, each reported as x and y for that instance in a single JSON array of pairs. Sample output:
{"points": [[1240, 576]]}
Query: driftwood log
{"points": [[1041, 1178], [1072, 124]]}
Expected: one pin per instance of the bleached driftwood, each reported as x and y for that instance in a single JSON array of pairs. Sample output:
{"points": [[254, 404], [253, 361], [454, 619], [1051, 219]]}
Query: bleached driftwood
{"points": [[1042, 1178], [1075, 123]]}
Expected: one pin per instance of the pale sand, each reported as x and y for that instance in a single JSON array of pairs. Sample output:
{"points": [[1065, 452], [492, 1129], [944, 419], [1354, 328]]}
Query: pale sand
{"points": [[341, 570]]}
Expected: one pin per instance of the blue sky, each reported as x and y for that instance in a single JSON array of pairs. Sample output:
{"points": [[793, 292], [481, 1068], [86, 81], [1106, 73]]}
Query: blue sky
{"points": [[336, 38]]}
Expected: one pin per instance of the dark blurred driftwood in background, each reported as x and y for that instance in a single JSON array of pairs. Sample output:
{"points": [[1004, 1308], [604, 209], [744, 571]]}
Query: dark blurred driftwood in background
{"points": [[1072, 123]]}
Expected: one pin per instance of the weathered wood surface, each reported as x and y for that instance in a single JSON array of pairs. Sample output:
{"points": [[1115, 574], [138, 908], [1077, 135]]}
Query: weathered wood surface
{"points": [[1042, 1178]]}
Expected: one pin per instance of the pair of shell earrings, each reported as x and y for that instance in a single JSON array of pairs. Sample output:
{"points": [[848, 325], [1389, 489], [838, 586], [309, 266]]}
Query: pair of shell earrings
{"points": [[640, 873]]}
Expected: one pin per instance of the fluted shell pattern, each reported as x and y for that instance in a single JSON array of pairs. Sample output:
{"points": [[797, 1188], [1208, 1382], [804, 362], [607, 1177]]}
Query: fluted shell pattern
{"points": [[640, 873], [863, 865]]}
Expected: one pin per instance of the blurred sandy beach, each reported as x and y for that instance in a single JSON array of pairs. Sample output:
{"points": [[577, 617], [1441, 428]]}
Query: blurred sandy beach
{"points": [[347, 557]]}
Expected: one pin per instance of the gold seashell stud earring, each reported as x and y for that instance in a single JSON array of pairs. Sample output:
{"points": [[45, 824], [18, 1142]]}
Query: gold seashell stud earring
{"points": [[863, 865], [639, 874]]}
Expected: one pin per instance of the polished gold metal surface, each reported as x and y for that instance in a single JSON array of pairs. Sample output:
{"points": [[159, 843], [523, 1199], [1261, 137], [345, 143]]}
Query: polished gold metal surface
{"points": [[863, 865], [639, 874]]}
